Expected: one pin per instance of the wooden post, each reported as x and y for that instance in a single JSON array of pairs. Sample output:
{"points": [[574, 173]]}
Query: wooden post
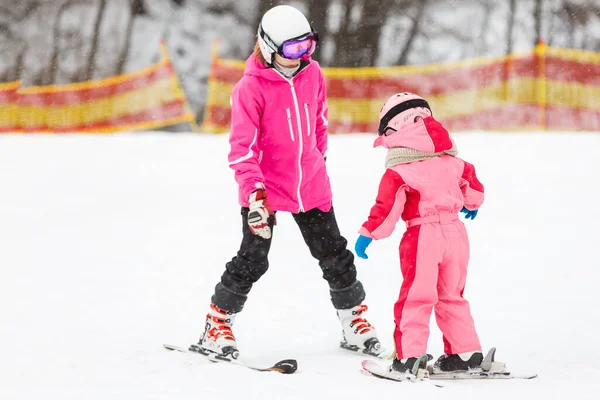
{"points": [[540, 81], [207, 122]]}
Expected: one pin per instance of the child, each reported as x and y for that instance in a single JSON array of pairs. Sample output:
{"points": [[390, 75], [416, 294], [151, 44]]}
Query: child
{"points": [[427, 185], [278, 148]]}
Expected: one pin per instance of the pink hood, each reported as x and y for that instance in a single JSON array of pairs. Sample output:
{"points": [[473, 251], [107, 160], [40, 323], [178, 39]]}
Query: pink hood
{"points": [[279, 136], [426, 135]]}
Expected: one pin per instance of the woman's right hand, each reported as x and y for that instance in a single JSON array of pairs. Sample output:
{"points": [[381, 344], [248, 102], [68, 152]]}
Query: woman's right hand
{"points": [[258, 216]]}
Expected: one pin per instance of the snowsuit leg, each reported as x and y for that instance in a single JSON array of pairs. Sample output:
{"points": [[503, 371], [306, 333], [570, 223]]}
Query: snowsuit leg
{"points": [[452, 311], [246, 268], [433, 260], [326, 244], [420, 253]]}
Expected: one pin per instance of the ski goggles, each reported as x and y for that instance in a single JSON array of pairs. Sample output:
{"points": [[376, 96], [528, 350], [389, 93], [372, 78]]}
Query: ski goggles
{"points": [[294, 48]]}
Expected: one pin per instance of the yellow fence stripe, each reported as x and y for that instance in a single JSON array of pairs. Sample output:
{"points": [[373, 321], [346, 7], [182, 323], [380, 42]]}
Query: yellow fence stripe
{"points": [[237, 64], [582, 56], [574, 95], [97, 83], [9, 115], [213, 128], [9, 85], [219, 93], [382, 72], [95, 111], [449, 105]]}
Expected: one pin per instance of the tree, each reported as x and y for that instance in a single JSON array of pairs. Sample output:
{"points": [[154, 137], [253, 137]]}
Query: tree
{"points": [[13, 45], [14, 49], [317, 16], [137, 8], [537, 17], [414, 30], [89, 73], [510, 26], [357, 39], [49, 76]]}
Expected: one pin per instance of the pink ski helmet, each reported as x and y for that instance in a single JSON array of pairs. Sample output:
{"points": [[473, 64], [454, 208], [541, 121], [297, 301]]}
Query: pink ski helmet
{"points": [[400, 110]]}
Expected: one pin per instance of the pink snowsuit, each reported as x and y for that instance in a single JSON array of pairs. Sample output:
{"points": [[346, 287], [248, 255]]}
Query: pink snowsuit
{"points": [[279, 137], [434, 251]]}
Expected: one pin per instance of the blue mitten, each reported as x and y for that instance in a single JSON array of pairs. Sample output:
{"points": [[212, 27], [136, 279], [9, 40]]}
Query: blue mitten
{"points": [[361, 245], [468, 213]]}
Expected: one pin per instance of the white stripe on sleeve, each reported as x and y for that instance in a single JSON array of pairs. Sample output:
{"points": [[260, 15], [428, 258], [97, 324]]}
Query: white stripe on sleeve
{"points": [[250, 152]]}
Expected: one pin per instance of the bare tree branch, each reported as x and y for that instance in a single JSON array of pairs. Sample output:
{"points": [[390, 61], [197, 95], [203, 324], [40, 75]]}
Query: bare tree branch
{"points": [[342, 36], [52, 69], [21, 9], [537, 16], [228, 9], [413, 32], [89, 73], [317, 11], [137, 8], [510, 26]]}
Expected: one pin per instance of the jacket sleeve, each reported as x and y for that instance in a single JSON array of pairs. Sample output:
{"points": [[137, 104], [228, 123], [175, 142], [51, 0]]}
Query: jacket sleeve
{"points": [[471, 188], [322, 115], [388, 207], [246, 112]]}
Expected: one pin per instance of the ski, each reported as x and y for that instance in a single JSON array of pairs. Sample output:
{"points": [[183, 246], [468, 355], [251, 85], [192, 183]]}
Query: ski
{"points": [[286, 367], [383, 372], [490, 369], [480, 375]]}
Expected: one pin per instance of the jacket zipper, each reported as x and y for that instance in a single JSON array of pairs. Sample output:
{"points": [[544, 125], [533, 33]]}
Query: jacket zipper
{"points": [[307, 119], [289, 118], [300, 144]]}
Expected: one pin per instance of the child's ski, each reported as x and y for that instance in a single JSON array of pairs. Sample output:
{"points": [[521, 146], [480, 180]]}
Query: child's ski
{"points": [[490, 369], [385, 372], [479, 375]]}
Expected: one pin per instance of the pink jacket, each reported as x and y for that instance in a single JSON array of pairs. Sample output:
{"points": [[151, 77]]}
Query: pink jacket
{"points": [[435, 186], [279, 137]]}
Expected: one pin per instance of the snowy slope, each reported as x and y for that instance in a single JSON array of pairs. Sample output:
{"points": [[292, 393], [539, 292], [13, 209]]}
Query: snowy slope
{"points": [[111, 245]]}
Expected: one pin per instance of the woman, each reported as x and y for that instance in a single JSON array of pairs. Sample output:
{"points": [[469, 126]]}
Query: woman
{"points": [[278, 150]]}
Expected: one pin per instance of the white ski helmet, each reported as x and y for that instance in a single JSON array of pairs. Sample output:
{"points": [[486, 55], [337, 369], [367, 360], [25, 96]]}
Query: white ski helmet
{"points": [[279, 24]]}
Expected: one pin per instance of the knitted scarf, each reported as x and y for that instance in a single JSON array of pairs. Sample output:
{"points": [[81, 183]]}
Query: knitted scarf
{"points": [[404, 155]]}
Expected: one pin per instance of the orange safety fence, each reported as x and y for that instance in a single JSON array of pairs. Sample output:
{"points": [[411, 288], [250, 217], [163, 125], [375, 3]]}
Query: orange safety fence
{"points": [[546, 89], [146, 99]]}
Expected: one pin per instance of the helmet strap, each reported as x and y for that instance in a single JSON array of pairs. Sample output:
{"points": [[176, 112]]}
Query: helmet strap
{"points": [[269, 44]]}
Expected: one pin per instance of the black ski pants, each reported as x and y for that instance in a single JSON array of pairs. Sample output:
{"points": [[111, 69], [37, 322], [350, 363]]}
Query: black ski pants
{"points": [[326, 244]]}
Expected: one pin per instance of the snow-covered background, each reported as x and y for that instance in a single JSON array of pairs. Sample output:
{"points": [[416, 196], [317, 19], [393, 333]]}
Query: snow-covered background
{"points": [[111, 246], [58, 41]]}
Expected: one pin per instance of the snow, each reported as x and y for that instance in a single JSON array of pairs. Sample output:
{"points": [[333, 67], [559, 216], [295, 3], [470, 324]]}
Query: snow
{"points": [[110, 246]]}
